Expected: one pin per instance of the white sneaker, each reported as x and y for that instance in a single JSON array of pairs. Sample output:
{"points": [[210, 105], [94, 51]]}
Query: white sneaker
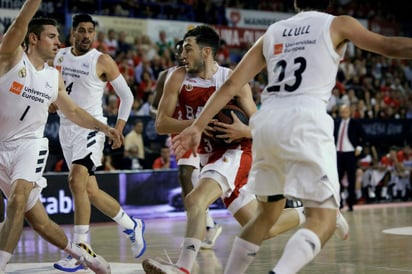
{"points": [[342, 226], [152, 266], [91, 260], [136, 237], [68, 264], [211, 235]]}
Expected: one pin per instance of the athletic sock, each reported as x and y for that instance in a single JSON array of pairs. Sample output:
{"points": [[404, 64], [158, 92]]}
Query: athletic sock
{"points": [[189, 252], [123, 220], [241, 256], [4, 259], [81, 233], [301, 248]]}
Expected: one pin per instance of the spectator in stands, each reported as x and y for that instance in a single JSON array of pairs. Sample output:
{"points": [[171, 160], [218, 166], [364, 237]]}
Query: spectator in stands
{"points": [[111, 42], [132, 160], [134, 142], [100, 43], [146, 85], [107, 164], [148, 48], [145, 107], [402, 173], [112, 107], [122, 45], [163, 43], [144, 65], [165, 160]]}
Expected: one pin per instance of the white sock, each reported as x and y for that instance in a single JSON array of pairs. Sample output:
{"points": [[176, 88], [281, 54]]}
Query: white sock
{"points": [[301, 248], [4, 259], [209, 220], [189, 252], [81, 233], [123, 220], [241, 256]]}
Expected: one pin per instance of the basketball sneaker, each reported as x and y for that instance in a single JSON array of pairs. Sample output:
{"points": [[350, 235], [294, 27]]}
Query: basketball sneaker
{"points": [[136, 238], [342, 226], [152, 266], [95, 262], [212, 234], [88, 259], [68, 264]]}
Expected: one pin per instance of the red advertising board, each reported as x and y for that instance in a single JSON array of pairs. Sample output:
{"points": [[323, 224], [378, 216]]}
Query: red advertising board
{"points": [[239, 37]]}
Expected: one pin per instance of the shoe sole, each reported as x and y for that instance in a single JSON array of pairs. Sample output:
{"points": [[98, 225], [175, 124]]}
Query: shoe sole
{"points": [[151, 267], [144, 242], [71, 270]]}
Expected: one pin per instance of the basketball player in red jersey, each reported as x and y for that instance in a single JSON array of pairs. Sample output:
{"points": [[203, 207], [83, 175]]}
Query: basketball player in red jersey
{"points": [[225, 168], [188, 165]]}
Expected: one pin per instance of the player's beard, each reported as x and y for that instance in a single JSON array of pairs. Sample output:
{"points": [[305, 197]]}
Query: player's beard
{"points": [[197, 67], [82, 48]]}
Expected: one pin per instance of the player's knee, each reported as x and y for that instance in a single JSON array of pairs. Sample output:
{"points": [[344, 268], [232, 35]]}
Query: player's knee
{"points": [[193, 205], [16, 204]]}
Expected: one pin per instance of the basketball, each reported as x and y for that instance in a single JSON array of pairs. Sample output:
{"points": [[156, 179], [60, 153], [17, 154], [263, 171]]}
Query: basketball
{"points": [[225, 116]]}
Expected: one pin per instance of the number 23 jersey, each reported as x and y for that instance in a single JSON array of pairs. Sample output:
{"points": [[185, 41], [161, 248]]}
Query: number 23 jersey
{"points": [[300, 56], [25, 96]]}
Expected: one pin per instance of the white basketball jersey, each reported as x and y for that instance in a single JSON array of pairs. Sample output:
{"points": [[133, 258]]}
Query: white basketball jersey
{"points": [[300, 56], [25, 96], [82, 82]]}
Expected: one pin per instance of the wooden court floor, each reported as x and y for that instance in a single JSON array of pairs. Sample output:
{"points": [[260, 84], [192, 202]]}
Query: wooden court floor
{"points": [[368, 250]]}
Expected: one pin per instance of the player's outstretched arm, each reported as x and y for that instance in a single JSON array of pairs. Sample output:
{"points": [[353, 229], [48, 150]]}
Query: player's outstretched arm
{"points": [[10, 46], [82, 118]]}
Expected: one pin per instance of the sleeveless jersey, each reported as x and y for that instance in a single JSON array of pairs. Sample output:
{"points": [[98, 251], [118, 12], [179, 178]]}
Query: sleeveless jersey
{"points": [[194, 94], [25, 95], [300, 57], [82, 83]]}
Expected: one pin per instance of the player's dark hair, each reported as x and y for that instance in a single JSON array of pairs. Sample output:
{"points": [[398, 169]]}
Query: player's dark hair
{"points": [[36, 26], [82, 18], [179, 44], [205, 36], [320, 5]]}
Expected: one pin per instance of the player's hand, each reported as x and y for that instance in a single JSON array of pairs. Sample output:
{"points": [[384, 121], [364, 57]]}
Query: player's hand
{"points": [[188, 139], [53, 108], [116, 138], [210, 129], [232, 132]]}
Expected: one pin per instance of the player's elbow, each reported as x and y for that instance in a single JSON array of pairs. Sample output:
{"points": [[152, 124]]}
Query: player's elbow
{"points": [[160, 125]]}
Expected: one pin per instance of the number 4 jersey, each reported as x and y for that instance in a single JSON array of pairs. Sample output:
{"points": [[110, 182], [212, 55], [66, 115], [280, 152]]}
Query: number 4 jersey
{"points": [[301, 58], [25, 96], [81, 80]]}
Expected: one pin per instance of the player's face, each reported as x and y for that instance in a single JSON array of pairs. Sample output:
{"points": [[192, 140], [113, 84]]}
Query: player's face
{"points": [[83, 37], [193, 56], [48, 45], [179, 57]]}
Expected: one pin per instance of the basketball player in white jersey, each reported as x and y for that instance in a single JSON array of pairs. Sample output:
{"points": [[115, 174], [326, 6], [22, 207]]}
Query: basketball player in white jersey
{"points": [[27, 87], [224, 167], [86, 72], [188, 165], [293, 146]]}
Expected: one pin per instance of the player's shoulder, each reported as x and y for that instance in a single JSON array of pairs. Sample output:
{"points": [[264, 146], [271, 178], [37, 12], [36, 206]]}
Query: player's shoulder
{"points": [[177, 72]]}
